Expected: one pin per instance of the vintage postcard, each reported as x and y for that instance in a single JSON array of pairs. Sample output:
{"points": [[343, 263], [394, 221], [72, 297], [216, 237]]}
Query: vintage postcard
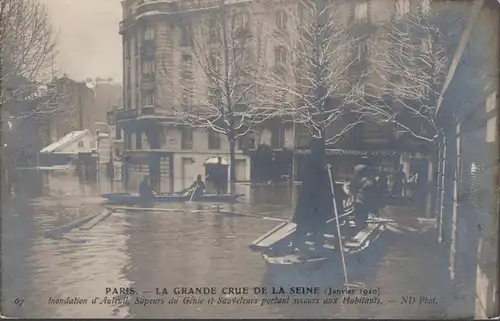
{"points": [[249, 158]]}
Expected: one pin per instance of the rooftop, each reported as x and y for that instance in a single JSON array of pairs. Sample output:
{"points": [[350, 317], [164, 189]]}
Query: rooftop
{"points": [[68, 139]]}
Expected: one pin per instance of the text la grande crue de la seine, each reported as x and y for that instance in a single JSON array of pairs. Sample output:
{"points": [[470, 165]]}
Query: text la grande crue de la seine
{"points": [[291, 290]]}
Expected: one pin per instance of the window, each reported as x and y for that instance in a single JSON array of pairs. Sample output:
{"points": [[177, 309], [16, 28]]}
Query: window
{"points": [[402, 7], [80, 144], [359, 89], [214, 62], [149, 33], [118, 132], [149, 97], [213, 28], [241, 93], [361, 12], [281, 95], [187, 59], [280, 56], [186, 36], [361, 51], [148, 68], [138, 141], [187, 97], [213, 139], [277, 136], [240, 23], [186, 138], [281, 19], [246, 142], [186, 80], [214, 95]]}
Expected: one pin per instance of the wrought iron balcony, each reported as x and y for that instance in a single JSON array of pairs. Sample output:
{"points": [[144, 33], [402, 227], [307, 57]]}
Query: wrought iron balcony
{"points": [[126, 114], [147, 110]]}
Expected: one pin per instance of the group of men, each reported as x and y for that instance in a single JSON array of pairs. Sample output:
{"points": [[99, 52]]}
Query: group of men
{"points": [[368, 190], [196, 189]]}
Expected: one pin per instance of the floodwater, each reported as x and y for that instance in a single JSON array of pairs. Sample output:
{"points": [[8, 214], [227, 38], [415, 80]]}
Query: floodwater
{"points": [[191, 246]]}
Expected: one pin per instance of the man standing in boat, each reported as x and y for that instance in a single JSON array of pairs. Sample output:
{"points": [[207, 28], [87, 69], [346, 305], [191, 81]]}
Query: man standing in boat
{"points": [[315, 203], [217, 176], [145, 190], [364, 190], [367, 199], [196, 189]]}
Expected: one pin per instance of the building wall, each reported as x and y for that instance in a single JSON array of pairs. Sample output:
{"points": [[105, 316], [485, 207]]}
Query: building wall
{"points": [[107, 96], [104, 148], [468, 172]]}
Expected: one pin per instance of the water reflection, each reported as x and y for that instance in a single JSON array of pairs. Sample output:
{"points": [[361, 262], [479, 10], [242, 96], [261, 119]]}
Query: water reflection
{"points": [[181, 244]]}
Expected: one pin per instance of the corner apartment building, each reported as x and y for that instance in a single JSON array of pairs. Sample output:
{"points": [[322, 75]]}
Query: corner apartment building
{"points": [[158, 35]]}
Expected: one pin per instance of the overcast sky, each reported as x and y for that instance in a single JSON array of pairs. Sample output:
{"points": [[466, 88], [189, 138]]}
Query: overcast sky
{"points": [[88, 39]]}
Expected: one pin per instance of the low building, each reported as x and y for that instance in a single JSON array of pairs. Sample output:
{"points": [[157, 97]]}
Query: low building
{"points": [[65, 150]]}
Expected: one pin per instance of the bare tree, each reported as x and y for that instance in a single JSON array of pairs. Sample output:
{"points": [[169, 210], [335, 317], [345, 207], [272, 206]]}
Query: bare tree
{"points": [[310, 79], [408, 65], [228, 54], [27, 47]]}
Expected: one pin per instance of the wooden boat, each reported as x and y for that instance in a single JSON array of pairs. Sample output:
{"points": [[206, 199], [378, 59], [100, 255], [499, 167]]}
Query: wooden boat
{"points": [[276, 252], [126, 198]]}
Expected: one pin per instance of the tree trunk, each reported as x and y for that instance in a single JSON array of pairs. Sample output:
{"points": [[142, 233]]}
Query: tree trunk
{"points": [[315, 199], [232, 161]]}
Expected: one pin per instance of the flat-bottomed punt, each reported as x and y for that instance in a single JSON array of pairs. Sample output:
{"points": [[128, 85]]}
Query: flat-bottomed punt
{"points": [[276, 251], [127, 198]]}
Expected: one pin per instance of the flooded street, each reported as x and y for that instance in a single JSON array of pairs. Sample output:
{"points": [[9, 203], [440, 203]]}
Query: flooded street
{"points": [[191, 246]]}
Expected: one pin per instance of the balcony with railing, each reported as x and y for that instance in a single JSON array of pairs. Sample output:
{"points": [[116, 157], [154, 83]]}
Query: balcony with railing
{"points": [[126, 114]]}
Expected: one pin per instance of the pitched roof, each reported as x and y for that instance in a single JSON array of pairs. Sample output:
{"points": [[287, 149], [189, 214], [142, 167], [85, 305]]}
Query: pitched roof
{"points": [[66, 140]]}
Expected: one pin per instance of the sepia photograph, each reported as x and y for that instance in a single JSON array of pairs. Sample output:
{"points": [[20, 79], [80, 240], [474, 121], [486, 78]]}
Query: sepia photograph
{"points": [[215, 159]]}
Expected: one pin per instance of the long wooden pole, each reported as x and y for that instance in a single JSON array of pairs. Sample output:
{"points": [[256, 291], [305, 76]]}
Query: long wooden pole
{"points": [[341, 247]]}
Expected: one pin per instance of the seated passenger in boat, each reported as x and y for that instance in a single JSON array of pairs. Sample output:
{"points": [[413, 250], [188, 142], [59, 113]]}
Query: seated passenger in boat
{"points": [[196, 189], [366, 200], [145, 189]]}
